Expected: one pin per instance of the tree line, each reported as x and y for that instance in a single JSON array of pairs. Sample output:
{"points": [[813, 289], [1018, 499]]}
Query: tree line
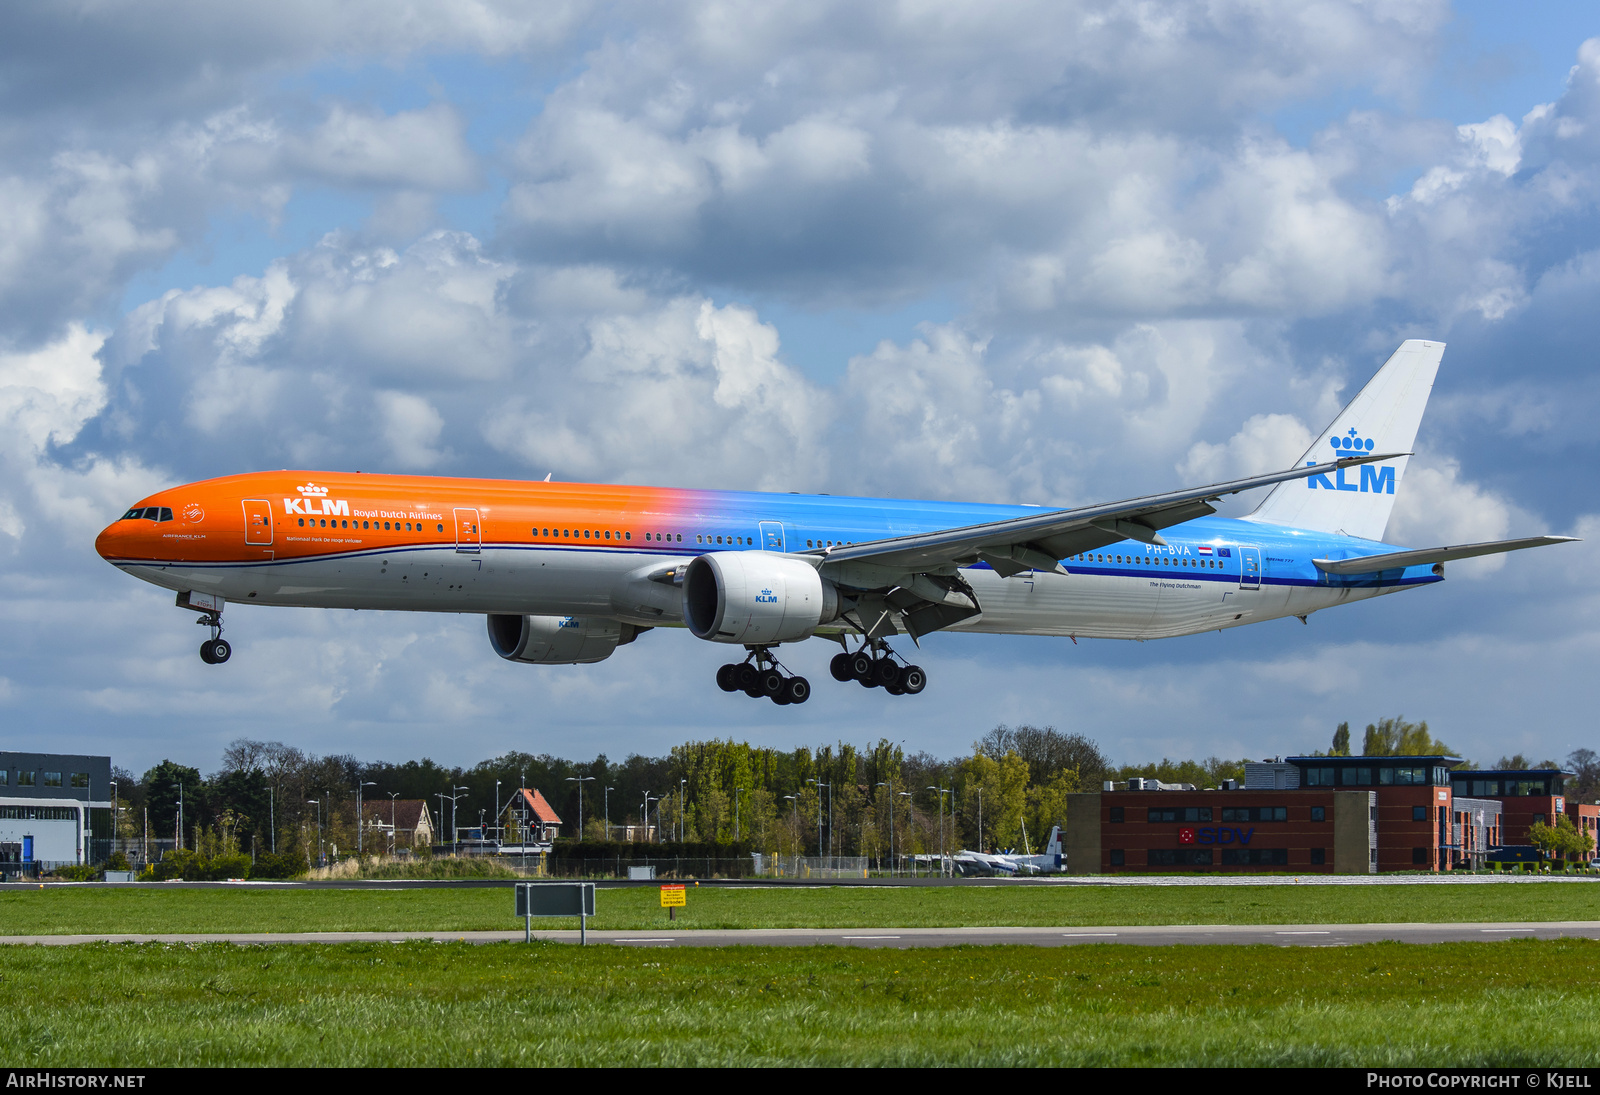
{"points": [[838, 799]]}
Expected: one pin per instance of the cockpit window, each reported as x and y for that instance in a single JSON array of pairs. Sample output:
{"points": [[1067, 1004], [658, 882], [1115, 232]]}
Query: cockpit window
{"points": [[148, 513], [133, 515]]}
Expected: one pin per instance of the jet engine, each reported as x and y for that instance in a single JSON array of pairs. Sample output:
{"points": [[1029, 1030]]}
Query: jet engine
{"points": [[557, 640], [755, 598]]}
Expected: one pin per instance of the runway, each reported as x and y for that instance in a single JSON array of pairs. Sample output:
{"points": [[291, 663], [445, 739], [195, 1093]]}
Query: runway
{"points": [[1279, 935]]}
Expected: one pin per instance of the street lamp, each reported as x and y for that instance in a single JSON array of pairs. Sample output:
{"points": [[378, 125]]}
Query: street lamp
{"points": [[980, 817], [580, 781], [392, 796], [361, 821], [942, 792], [796, 800], [644, 817], [682, 783], [820, 786], [318, 804], [608, 812], [901, 794], [497, 810], [455, 829], [890, 784], [115, 810]]}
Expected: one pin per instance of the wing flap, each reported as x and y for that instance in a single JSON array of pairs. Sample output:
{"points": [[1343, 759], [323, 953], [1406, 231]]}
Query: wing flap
{"points": [[1423, 556]]}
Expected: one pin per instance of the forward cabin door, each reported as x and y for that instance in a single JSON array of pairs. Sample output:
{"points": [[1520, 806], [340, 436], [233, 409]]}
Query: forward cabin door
{"points": [[1249, 568], [469, 533], [257, 521]]}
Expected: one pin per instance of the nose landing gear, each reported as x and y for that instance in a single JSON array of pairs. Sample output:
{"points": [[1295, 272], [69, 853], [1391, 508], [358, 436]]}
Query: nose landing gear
{"points": [[874, 666], [760, 674], [215, 650]]}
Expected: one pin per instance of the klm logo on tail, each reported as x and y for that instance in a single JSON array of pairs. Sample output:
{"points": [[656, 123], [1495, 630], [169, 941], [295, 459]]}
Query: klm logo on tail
{"points": [[1374, 480]]}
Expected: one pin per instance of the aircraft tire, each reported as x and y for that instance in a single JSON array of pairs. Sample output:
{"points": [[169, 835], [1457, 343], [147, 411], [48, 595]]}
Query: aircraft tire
{"points": [[747, 676], [861, 667], [754, 691], [894, 689], [728, 677], [219, 651], [885, 672], [913, 679], [840, 667], [781, 698], [771, 682], [205, 653], [797, 690]]}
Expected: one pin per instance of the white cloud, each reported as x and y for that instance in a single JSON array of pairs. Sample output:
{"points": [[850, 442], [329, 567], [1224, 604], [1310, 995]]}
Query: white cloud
{"points": [[411, 427], [1265, 443]]}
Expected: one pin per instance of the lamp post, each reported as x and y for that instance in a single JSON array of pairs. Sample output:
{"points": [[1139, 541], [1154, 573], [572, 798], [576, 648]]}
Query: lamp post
{"points": [[890, 784], [607, 797], [361, 821], [796, 800], [497, 810], [900, 794], [392, 796], [980, 817], [580, 781], [942, 792], [441, 796], [644, 816], [318, 804], [820, 786], [682, 783], [115, 810]]}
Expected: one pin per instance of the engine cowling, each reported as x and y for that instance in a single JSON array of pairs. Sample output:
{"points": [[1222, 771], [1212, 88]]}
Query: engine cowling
{"points": [[755, 597], [557, 640]]}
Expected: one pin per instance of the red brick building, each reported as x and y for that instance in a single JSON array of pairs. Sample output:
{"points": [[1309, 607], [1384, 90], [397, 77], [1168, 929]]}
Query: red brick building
{"points": [[1528, 795], [1313, 815]]}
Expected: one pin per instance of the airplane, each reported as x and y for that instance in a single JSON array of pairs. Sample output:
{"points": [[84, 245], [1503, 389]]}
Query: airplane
{"points": [[968, 862], [565, 573]]}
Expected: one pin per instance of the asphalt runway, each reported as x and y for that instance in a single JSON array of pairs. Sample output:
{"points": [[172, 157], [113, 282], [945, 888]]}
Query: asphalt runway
{"points": [[1278, 935]]}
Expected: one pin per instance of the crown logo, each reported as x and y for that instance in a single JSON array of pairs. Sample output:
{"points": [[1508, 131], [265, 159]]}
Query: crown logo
{"points": [[1350, 445], [312, 490]]}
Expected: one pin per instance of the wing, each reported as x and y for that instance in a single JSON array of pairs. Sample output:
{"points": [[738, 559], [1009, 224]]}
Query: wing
{"points": [[1369, 564], [917, 577]]}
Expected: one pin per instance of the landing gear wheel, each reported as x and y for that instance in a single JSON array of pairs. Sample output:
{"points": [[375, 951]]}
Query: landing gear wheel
{"points": [[746, 677], [796, 690], [728, 677], [840, 667], [885, 672], [861, 667], [215, 651], [771, 682], [205, 653], [913, 680]]}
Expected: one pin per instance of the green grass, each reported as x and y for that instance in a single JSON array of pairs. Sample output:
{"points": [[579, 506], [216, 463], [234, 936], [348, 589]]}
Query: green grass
{"points": [[1525, 1003], [159, 910]]}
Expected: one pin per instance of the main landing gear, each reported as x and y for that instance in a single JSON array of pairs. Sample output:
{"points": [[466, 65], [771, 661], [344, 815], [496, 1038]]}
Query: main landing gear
{"points": [[874, 666], [215, 650], [761, 675]]}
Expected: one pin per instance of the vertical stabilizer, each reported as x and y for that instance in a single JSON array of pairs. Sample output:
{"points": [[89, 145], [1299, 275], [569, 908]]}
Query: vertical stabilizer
{"points": [[1384, 417], [1053, 845]]}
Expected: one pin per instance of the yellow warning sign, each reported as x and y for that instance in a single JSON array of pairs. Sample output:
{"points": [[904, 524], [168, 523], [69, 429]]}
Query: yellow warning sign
{"points": [[672, 897]]}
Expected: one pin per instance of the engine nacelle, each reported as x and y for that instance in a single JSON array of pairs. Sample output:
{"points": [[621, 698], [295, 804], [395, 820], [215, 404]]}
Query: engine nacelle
{"points": [[557, 640], [753, 597]]}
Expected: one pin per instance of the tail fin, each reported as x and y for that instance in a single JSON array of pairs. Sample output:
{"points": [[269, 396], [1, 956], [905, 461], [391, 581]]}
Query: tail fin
{"points": [[1384, 415], [1053, 846]]}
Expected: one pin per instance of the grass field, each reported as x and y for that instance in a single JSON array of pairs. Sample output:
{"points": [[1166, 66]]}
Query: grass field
{"points": [[158, 910], [1527, 1003]]}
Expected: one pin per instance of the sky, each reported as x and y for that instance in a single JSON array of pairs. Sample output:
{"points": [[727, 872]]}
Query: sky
{"points": [[1053, 253]]}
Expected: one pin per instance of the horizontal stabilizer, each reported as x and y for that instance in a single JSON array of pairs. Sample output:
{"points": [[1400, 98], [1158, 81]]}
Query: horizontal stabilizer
{"points": [[1423, 556]]}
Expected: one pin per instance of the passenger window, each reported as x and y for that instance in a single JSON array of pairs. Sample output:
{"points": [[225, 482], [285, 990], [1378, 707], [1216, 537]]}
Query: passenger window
{"points": [[302, 522], [627, 536], [441, 528]]}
